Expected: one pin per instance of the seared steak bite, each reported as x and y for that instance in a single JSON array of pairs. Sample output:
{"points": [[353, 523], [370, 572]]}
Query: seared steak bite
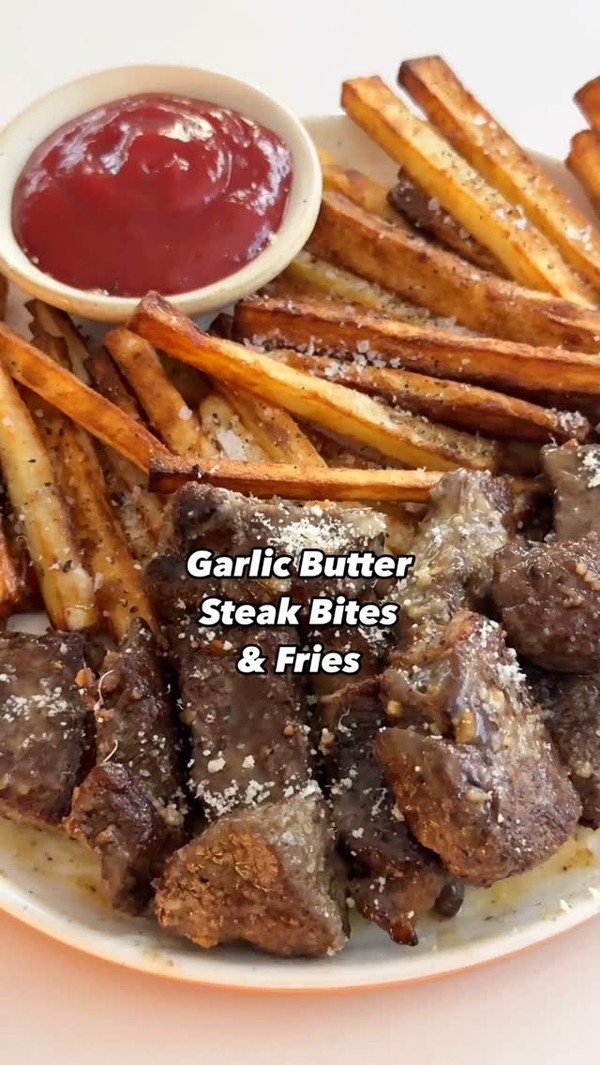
{"points": [[45, 726], [266, 876], [574, 470], [471, 764], [548, 595], [115, 816], [391, 877], [203, 518], [249, 740], [130, 808], [264, 871], [571, 711], [470, 517]]}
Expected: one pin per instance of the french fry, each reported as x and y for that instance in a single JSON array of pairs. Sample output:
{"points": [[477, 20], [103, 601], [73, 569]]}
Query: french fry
{"points": [[419, 271], [583, 160], [175, 422], [29, 596], [588, 101], [527, 255], [118, 579], [274, 430], [497, 363], [266, 479], [52, 322], [360, 189], [60, 388], [140, 511], [479, 138], [110, 384], [191, 384], [223, 428], [118, 583], [450, 402], [427, 215], [10, 586], [65, 584], [3, 295], [410, 440], [312, 277]]}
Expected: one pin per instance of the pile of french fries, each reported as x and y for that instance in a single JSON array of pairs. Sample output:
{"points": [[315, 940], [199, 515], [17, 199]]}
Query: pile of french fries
{"points": [[449, 320], [584, 157]]}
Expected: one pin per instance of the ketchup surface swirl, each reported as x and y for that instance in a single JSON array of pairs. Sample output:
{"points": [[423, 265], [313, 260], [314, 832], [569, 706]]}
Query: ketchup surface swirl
{"points": [[151, 192]]}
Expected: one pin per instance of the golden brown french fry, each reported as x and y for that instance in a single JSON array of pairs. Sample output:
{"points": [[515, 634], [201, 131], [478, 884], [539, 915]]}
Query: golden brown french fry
{"points": [[190, 384], [427, 215], [528, 256], [55, 323], [224, 431], [588, 100], [266, 479], [164, 405], [60, 388], [10, 586], [361, 190], [118, 582], [337, 454], [3, 295], [498, 363], [140, 511], [583, 160], [108, 381], [312, 277], [66, 586], [450, 402], [410, 440], [479, 138], [428, 275], [274, 430]]}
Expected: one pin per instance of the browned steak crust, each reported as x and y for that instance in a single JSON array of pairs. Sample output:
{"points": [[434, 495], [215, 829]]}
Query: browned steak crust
{"points": [[472, 765], [391, 877], [45, 728], [548, 595], [574, 471], [130, 808], [260, 875], [571, 710], [249, 736]]}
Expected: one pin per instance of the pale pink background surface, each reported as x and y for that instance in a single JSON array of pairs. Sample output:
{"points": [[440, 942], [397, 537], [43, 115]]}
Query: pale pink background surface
{"points": [[525, 59]]}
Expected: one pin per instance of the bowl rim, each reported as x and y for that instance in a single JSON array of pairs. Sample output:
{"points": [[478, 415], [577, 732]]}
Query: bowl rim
{"points": [[48, 112]]}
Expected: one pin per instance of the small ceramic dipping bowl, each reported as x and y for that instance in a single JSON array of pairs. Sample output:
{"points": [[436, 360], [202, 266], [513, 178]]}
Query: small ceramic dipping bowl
{"points": [[40, 119]]}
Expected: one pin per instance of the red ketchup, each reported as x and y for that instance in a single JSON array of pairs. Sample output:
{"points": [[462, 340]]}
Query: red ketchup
{"points": [[151, 192]]}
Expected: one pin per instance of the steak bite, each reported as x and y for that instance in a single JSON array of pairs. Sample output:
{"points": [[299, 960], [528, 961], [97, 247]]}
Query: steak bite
{"points": [[472, 765], [548, 596], [391, 877], [249, 741], [470, 517], [571, 711], [45, 726], [574, 470], [200, 517], [266, 876], [264, 870], [130, 808]]}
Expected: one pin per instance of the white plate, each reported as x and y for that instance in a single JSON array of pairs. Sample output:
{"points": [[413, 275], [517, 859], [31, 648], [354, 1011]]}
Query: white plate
{"points": [[52, 884]]}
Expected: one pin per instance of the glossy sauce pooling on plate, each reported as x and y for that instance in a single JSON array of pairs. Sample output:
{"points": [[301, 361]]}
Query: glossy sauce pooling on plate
{"points": [[151, 192]]}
